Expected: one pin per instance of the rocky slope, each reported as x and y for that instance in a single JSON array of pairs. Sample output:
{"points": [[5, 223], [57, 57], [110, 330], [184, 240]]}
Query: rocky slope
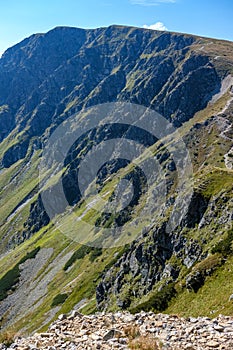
{"points": [[60, 72], [126, 331], [44, 81]]}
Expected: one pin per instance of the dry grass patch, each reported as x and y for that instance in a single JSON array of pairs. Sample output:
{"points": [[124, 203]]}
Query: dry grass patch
{"points": [[7, 337], [137, 341]]}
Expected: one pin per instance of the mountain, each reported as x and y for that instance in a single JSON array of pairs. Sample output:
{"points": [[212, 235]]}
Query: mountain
{"points": [[169, 246]]}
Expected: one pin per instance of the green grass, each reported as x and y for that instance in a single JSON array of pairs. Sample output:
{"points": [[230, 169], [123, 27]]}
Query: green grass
{"points": [[8, 281], [211, 299], [77, 284], [215, 180], [14, 192], [224, 246]]}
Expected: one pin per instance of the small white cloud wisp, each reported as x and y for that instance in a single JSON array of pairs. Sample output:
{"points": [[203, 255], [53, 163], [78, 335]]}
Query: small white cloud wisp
{"points": [[156, 26], [151, 2]]}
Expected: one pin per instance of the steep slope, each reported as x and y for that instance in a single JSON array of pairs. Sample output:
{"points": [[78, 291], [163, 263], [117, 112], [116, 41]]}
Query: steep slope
{"points": [[44, 81], [66, 69]]}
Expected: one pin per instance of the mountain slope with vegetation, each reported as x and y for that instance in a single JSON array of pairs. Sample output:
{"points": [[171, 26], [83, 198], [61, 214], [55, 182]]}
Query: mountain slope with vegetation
{"points": [[46, 79]]}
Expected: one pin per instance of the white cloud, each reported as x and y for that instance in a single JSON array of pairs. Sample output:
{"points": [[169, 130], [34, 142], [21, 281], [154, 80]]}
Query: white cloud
{"points": [[151, 2], [156, 26]]}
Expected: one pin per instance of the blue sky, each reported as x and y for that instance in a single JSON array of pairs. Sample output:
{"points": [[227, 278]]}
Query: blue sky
{"points": [[21, 18]]}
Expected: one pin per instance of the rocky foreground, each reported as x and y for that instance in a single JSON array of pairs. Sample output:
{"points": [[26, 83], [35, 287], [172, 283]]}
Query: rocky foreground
{"points": [[146, 331]]}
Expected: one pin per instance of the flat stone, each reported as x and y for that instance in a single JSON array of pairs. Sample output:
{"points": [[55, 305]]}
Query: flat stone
{"points": [[213, 344], [202, 341], [46, 335], [219, 328], [84, 338], [74, 314], [95, 337], [123, 341], [152, 330], [62, 317], [113, 333], [129, 319]]}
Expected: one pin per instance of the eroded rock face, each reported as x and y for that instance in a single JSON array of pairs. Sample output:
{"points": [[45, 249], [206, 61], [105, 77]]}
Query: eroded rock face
{"points": [[47, 77], [145, 262], [197, 208], [6, 121], [44, 73]]}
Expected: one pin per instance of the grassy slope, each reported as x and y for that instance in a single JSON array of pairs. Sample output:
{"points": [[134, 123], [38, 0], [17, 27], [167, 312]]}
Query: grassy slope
{"points": [[211, 300], [80, 280]]}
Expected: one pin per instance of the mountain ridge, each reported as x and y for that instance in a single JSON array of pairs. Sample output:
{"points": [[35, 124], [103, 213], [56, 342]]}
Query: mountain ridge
{"points": [[48, 78]]}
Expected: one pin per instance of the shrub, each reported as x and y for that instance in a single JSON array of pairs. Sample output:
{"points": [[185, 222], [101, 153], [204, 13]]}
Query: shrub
{"points": [[59, 299], [8, 281], [95, 253], [11, 278], [159, 301], [79, 254], [30, 255], [224, 247]]}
